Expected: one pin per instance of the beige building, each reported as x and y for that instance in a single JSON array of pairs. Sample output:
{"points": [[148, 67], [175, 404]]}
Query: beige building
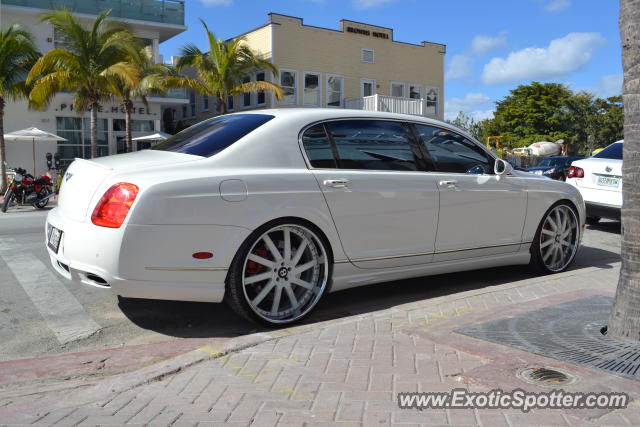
{"points": [[358, 66]]}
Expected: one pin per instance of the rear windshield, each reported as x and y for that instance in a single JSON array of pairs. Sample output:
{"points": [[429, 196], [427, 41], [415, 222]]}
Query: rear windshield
{"points": [[613, 151], [211, 136]]}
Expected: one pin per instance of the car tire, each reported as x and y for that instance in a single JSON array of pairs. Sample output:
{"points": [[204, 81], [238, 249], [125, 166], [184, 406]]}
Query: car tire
{"points": [[556, 241], [593, 220], [279, 273]]}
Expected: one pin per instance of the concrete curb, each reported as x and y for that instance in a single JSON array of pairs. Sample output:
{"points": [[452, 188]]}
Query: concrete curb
{"points": [[104, 389]]}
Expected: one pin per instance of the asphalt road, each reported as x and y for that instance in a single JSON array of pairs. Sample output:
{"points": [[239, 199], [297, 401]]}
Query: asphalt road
{"points": [[41, 313]]}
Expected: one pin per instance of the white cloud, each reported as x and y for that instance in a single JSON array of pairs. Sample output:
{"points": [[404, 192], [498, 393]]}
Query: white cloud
{"points": [[483, 44], [366, 4], [475, 105], [217, 2], [607, 86], [557, 5], [562, 56], [459, 67]]}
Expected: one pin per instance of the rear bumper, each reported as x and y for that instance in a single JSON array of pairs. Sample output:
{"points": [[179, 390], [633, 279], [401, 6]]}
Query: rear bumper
{"points": [[599, 202], [603, 210], [151, 262]]}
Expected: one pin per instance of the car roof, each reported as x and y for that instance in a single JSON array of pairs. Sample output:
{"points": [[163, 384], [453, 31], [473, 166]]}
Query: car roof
{"points": [[318, 114]]}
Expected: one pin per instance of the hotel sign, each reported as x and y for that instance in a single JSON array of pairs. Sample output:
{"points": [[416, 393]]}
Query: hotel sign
{"points": [[112, 109], [367, 32]]}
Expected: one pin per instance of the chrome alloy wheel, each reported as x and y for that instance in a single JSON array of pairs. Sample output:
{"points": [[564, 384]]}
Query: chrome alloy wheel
{"points": [[285, 273], [559, 238]]}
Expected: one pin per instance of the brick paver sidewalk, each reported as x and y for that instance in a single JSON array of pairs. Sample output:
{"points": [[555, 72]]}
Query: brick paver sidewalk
{"points": [[348, 371]]}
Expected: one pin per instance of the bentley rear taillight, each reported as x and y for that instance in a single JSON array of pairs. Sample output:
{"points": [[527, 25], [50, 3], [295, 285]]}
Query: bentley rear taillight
{"points": [[114, 205]]}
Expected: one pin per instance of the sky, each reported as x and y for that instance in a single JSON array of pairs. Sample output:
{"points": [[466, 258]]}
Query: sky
{"points": [[492, 45]]}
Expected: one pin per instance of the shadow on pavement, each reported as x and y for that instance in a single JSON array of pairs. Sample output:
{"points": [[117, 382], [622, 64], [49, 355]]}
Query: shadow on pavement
{"points": [[207, 320], [613, 227]]}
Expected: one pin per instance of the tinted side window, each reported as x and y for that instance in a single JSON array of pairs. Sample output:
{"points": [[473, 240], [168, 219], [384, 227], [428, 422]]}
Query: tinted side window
{"points": [[451, 152], [613, 151], [211, 136], [373, 145], [318, 147]]}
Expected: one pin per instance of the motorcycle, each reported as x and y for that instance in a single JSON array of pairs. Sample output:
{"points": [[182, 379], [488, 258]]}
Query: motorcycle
{"points": [[25, 190]]}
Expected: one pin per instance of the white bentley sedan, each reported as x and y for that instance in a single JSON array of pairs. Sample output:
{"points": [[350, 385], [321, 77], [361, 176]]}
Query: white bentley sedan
{"points": [[269, 210]]}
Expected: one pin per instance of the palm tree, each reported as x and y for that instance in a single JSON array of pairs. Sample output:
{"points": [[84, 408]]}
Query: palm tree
{"points": [[625, 315], [221, 70], [17, 54], [91, 59], [153, 78]]}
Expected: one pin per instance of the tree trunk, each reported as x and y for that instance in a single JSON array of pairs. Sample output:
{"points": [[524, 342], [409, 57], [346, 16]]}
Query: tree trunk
{"points": [[94, 129], [3, 152], [128, 108], [223, 104], [625, 315]]}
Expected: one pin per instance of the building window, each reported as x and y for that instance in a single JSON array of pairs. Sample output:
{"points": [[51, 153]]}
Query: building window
{"points": [[311, 95], [230, 103], [261, 99], [397, 89], [289, 84], [138, 128], [59, 41], [335, 90], [77, 132], [192, 103], [414, 91], [367, 87], [205, 102], [184, 111], [432, 101], [246, 96], [367, 55]]}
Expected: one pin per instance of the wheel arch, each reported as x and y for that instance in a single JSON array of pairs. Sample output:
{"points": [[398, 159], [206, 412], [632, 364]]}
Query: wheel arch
{"points": [[284, 219]]}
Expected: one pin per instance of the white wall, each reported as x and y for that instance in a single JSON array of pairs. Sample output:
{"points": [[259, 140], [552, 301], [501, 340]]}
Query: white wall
{"points": [[18, 116]]}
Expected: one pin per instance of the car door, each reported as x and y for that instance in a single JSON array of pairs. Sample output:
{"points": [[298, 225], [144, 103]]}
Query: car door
{"points": [[480, 213], [384, 206]]}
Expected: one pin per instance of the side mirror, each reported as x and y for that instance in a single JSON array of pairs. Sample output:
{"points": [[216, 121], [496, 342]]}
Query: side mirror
{"points": [[502, 167]]}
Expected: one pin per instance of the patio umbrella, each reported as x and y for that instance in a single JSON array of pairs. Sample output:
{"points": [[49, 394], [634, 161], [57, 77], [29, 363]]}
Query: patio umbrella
{"points": [[159, 136], [32, 134]]}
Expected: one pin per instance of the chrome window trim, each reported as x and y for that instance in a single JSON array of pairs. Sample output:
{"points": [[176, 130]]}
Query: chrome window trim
{"points": [[324, 122], [390, 119]]}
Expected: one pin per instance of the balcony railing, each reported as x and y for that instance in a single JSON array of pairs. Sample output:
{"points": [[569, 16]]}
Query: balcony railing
{"points": [[179, 95], [165, 11], [392, 104]]}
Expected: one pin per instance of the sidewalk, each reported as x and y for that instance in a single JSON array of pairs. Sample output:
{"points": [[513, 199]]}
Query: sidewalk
{"points": [[346, 371]]}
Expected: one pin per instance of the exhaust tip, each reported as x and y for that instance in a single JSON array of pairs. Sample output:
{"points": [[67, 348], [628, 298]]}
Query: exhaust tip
{"points": [[97, 280]]}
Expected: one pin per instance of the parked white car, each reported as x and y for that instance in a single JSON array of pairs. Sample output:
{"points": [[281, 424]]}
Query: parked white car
{"points": [[599, 179], [270, 210]]}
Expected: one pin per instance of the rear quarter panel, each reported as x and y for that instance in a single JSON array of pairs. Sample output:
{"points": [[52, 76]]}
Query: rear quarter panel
{"points": [[270, 181]]}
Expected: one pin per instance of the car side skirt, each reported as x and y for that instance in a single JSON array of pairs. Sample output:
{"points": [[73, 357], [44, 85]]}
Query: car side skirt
{"points": [[346, 276]]}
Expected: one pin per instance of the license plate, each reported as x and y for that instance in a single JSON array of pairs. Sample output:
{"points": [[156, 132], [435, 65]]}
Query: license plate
{"points": [[607, 181], [54, 239]]}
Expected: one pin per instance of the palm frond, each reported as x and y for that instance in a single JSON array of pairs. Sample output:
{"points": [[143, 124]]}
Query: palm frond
{"points": [[261, 86]]}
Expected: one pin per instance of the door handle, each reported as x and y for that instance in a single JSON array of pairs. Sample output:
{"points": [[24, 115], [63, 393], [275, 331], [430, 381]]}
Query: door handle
{"points": [[336, 183], [449, 184]]}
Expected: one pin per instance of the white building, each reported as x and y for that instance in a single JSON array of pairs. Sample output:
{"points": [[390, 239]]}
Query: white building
{"points": [[152, 20]]}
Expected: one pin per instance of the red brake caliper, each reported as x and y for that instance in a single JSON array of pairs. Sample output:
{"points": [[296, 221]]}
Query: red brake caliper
{"points": [[543, 236], [252, 266]]}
